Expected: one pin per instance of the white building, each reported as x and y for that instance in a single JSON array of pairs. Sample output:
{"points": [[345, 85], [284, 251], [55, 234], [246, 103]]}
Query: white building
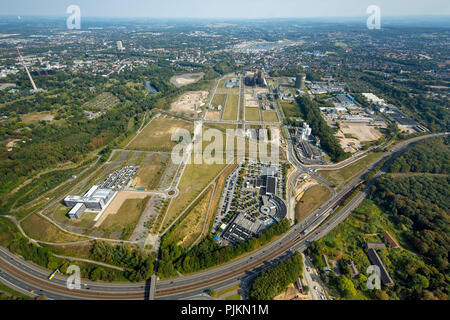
{"points": [[120, 46]]}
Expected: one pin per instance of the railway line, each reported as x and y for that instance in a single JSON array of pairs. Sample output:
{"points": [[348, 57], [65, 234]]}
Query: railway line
{"points": [[316, 226]]}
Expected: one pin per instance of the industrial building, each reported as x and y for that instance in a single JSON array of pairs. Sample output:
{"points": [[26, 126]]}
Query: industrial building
{"points": [[95, 199], [300, 81]]}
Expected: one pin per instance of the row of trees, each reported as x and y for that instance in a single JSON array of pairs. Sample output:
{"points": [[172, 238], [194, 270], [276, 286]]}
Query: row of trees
{"points": [[328, 141], [208, 253]]}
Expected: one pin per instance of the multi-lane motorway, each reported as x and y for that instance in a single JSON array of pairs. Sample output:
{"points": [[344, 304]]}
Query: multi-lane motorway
{"points": [[27, 277]]}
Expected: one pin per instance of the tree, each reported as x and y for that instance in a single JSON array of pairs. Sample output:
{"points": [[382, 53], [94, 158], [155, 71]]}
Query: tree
{"points": [[346, 287]]}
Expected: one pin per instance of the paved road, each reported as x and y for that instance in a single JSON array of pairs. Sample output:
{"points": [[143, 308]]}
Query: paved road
{"points": [[312, 280]]}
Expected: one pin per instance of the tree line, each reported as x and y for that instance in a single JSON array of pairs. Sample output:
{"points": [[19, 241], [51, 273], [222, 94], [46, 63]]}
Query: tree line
{"points": [[320, 128], [275, 280]]}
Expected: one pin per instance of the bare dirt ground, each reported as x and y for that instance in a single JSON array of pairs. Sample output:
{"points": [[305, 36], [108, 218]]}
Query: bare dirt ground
{"points": [[291, 293], [115, 205], [361, 131], [275, 132], [185, 79], [189, 102], [349, 145], [356, 133], [251, 101]]}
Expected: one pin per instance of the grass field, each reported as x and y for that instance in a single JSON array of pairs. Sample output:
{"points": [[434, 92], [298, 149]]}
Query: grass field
{"points": [[270, 116], [218, 100], [36, 116], [40, 229], [339, 177], [191, 226], [252, 114], [157, 135], [195, 178], [126, 218], [311, 200], [59, 214], [149, 173], [291, 109], [225, 291], [6, 293], [231, 109], [192, 223], [82, 250]]}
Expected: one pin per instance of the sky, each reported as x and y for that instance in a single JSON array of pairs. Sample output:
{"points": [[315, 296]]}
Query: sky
{"points": [[224, 8]]}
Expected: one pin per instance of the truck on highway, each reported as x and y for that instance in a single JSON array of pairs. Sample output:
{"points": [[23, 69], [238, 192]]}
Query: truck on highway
{"points": [[53, 274], [305, 232]]}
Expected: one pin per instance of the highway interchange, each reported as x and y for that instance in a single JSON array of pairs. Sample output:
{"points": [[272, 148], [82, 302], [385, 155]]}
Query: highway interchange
{"points": [[33, 280]]}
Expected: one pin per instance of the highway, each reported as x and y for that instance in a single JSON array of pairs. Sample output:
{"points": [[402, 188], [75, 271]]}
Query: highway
{"points": [[31, 277]]}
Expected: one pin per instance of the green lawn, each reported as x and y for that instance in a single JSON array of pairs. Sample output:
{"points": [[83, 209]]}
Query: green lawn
{"points": [[157, 135], [291, 110], [339, 177], [310, 201], [195, 178], [218, 100], [231, 109], [252, 114]]}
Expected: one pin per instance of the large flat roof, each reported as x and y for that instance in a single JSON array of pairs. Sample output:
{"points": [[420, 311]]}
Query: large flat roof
{"points": [[270, 186]]}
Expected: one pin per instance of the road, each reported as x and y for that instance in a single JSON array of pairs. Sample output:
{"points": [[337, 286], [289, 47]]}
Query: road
{"points": [[312, 280], [26, 275]]}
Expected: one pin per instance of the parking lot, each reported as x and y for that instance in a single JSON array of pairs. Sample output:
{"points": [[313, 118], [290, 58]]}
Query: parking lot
{"points": [[119, 179]]}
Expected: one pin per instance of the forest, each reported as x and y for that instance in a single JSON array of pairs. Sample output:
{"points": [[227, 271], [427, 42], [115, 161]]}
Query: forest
{"points": [[419, 206], [428, 156], [275, 280]]}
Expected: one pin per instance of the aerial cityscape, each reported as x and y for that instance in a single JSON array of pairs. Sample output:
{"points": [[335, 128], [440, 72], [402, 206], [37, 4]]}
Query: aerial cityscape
{"points": [[224, 156]]}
